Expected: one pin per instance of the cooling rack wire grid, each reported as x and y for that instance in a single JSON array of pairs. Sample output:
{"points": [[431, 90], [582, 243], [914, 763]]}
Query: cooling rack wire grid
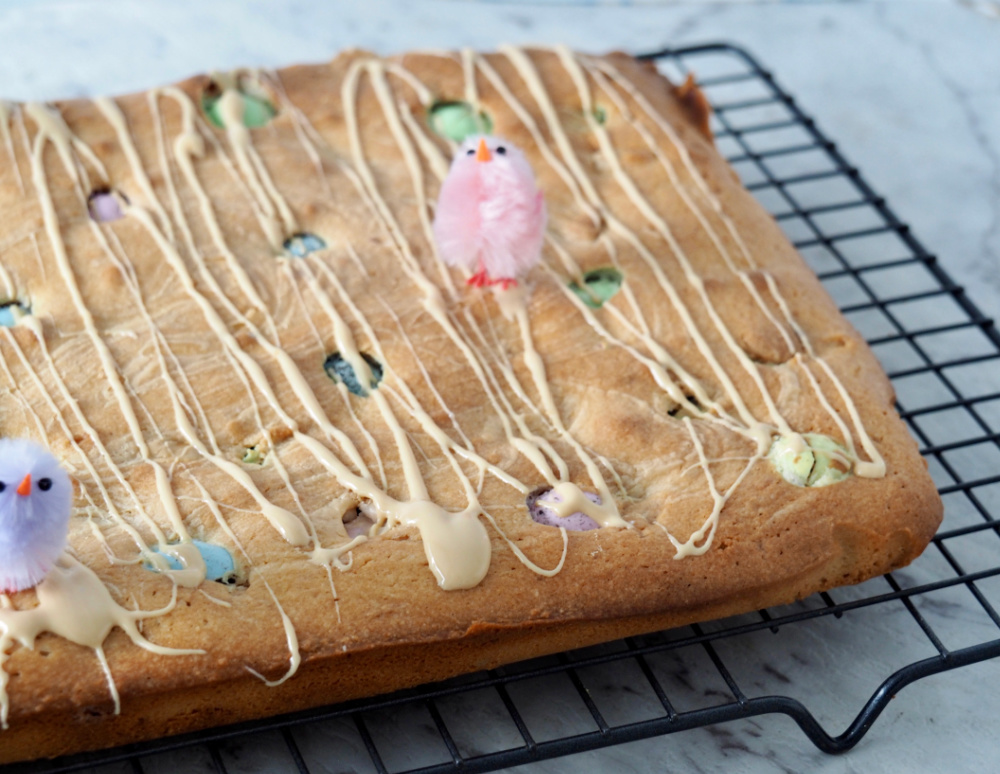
{"points": [[936, 615]]}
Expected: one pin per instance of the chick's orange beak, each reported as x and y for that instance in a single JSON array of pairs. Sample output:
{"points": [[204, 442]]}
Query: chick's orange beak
{"points": [[24, 488], [482, 152]]}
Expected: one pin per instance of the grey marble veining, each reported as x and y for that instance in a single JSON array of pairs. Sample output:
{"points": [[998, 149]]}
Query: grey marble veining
{"points": [[909, 91]]}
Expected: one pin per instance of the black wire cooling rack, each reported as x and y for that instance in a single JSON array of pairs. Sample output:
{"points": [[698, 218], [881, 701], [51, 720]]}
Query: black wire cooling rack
{"points": [[936, 615]]}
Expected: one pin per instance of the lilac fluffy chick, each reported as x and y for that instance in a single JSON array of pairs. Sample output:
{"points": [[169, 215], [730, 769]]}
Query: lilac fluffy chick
{"points": [[490, 216], [35, 502]]}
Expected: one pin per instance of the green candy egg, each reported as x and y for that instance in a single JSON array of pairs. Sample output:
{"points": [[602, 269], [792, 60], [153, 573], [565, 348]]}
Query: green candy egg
{"points": [[257, 110], [599, 285], [253, 456], [810, 464], [458, 120]]}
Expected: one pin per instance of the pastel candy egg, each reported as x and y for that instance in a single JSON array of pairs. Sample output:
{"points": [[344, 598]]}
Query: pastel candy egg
{"points": [[219, 564], [599, 285], [11, 312], [810, 459], [458, 120], [256, 109], [575, 522], [105, 205]]}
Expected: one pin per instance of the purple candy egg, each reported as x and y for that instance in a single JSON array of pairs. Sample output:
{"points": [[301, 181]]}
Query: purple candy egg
{"points": [[104, 206], [358, 526], [542, 514]]}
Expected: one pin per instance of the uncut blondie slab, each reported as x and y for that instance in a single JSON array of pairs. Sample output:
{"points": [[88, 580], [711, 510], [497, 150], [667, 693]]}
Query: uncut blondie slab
{"points": [[310, 463]]}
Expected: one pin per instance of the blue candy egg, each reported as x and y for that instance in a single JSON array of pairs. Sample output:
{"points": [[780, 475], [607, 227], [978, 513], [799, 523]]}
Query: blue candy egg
{"points": [[219, 564]]}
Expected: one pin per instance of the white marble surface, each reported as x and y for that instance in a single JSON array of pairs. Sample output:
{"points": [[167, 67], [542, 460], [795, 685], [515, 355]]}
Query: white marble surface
{"points": [[910, 92]]}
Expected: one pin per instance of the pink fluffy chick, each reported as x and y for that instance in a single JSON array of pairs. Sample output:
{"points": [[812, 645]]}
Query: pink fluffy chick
{"points": [[35, 503], [490, 216]]}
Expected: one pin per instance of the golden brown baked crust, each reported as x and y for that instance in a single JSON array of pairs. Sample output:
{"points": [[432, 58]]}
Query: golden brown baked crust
{"points": [[384, 622]]}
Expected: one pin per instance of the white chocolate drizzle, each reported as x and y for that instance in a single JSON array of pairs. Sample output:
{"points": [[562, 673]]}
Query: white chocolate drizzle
{"points": [[74, 603], [392, 474], [6, 110]]}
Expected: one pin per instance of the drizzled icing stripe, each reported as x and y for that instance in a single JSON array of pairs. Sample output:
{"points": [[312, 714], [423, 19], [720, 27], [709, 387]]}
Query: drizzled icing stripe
{"points": [[294, 377], [93, 476], [619, 228], [874, 469], [303, 129], [706, 531], [9, 289], [756, 429], [390, 109], [74, 603], [403, 393], [295, 655], [56, 132], [467, 447], [513, 305], [530, 76], [574, 67], [523, 441], [271, 205], [114, 116], [104, 356], [531, 125], [6, 109], [188, 146], [593, 203]]}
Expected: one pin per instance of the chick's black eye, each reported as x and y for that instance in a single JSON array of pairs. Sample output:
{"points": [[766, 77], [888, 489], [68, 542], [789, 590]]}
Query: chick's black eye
{"points": [[470, 152], [2, 486], [501, 150], [45, 484]]}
